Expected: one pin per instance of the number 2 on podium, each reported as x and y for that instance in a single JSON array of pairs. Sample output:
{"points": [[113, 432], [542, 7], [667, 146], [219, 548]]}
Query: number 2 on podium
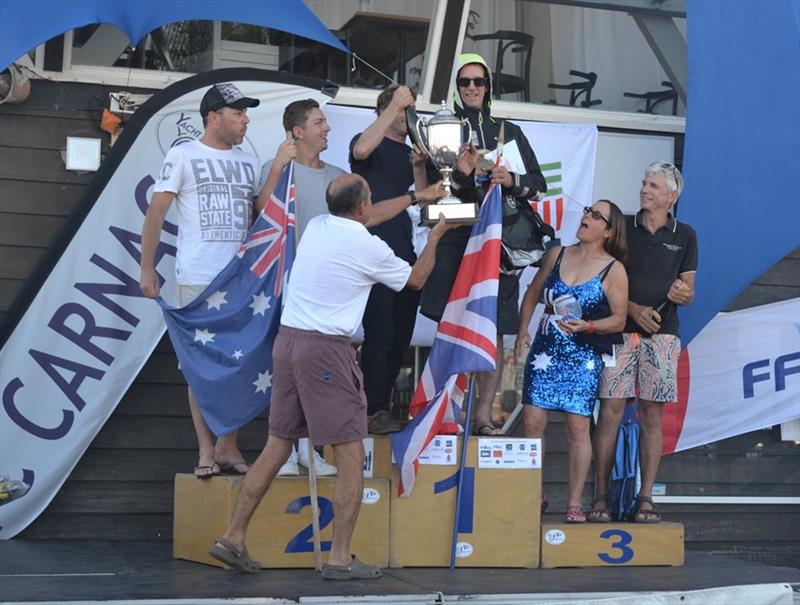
{"points": [[303, 541], [626, 554]]}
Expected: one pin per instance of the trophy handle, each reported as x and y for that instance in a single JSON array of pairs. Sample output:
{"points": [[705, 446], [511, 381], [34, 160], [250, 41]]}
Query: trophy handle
{"points": [[465, 122], [420, 138]]}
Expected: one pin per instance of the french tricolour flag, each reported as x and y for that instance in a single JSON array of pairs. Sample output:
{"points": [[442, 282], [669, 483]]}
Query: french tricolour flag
{"points": [[466, 341]]}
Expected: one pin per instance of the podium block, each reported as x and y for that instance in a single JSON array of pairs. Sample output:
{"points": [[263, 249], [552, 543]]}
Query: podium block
{"points": [[280, 532], [611, 544], [377, 456], [500, 520]]}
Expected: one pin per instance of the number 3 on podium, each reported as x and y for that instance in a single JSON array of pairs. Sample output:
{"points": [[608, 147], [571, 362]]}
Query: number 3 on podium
{"points": [[621, 545]]}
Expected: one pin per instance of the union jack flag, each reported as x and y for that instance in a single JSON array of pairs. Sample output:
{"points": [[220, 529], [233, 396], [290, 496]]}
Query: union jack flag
{"points": [[279, 215], [223, 339], [465, 341]]}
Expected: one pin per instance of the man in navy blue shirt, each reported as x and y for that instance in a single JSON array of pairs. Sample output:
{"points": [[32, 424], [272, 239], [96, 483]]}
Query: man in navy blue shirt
{"points": [[380, 155], [662, 263]]}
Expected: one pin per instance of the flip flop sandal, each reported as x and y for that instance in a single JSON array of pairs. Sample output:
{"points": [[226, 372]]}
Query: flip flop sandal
{"points": [[230, 468], [599, 515], [355, 571], [212, 469], [225, 552], [575, 514], [646, 515]]}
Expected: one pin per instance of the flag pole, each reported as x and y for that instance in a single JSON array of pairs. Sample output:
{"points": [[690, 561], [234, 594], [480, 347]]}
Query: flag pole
{"points": [[462, 464], [312, 485]]}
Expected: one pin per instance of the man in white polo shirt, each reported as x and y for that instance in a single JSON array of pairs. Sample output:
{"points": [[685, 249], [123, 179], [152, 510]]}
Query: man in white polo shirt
{"points": [[317, 388]]}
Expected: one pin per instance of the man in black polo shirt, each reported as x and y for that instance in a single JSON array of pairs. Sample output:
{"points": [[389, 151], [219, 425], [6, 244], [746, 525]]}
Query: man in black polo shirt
{"points": [[381, 156], [662, 264]]}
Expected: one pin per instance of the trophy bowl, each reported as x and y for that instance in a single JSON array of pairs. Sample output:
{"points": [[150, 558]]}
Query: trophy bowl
{"points": [[442, 140]]}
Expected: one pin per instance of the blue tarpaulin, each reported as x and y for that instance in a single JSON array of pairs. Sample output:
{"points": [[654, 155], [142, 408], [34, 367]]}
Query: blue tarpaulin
{"points": [[742, 146], [25, 25]]}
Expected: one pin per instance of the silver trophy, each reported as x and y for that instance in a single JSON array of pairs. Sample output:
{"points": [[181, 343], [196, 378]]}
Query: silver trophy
{"points": [[442, 138]]}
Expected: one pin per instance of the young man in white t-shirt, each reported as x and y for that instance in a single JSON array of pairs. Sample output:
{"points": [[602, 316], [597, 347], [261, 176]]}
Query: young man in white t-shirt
{"points": [[214, 184], [317, 386]]}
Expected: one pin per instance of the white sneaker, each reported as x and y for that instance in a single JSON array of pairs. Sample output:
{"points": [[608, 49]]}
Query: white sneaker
{"points": [[322, 468], [290, 467]]}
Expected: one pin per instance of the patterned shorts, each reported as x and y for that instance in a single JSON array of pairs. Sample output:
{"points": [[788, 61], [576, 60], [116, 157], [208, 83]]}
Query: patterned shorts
{"points": [[646, 365]]}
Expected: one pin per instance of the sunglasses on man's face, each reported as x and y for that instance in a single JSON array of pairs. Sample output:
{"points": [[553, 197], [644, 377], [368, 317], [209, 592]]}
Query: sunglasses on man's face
{"points": [[595, 215], [464, 82]]}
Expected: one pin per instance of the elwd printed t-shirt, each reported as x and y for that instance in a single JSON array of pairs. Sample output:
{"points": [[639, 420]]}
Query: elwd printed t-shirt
{"points": [[214, 194], [328, 290]]}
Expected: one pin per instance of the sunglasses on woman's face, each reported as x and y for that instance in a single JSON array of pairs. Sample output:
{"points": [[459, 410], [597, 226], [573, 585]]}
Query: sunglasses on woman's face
{"points": [[596, 215], [464, 82]]}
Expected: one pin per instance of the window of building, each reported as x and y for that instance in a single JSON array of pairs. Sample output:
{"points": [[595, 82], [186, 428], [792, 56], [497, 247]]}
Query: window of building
{"points": [[535, 45]]}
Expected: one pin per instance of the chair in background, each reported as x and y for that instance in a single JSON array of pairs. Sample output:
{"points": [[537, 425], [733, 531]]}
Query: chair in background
{"points": [[651, 99], [314, 59], [516, 43], [576, 89]]}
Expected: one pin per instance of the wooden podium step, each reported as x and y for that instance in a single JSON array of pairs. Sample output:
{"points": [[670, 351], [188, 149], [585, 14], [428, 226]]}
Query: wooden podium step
{"points": [[611, 544], [280, 533], [500, 518]]}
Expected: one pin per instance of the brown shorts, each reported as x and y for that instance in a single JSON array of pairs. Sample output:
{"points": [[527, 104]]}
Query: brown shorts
{"points": [[317, 388]]}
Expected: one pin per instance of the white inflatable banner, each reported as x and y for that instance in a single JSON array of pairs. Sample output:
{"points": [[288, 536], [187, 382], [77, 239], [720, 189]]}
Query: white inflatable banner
{"points": [[740, 374]]}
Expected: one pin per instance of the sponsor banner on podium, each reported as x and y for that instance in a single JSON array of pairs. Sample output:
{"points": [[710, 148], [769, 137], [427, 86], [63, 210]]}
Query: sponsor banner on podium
{"points": [[441, 450], [509, 454]]}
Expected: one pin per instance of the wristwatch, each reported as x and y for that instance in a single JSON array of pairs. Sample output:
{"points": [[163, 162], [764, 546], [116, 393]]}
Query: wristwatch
{"points": [[413, 197]]}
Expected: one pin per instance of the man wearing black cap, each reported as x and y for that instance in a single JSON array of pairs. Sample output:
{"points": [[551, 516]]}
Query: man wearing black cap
{"points": [[214, 184]]}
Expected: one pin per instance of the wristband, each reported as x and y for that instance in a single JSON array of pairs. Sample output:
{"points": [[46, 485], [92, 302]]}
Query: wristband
{"points": [[591, 327], [413, 197]]}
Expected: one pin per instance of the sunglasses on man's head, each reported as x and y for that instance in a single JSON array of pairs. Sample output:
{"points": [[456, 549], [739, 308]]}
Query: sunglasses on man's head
{"points": [[674, 175], [595, 215], [479, 82]]}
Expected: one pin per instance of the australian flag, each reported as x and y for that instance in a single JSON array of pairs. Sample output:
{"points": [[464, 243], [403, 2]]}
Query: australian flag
{"points": [[466, 341], [224, 338]]}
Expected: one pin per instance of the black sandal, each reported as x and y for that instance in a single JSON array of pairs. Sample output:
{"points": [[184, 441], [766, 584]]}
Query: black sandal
{"points": [[599, 515], [646, 515], [488, 430]]}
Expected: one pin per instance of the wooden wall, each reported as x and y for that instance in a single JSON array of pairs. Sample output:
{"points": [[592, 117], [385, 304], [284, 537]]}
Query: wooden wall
{"points": [[36, 192], [123, 486]]}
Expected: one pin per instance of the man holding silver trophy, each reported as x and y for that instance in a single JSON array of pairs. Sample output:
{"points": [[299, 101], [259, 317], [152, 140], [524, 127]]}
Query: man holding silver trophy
{"points": [[469, 178]]}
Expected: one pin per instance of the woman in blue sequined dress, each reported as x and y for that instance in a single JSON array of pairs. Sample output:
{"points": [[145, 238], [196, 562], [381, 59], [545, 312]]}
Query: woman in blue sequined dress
{"points": [[562, 370]]}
